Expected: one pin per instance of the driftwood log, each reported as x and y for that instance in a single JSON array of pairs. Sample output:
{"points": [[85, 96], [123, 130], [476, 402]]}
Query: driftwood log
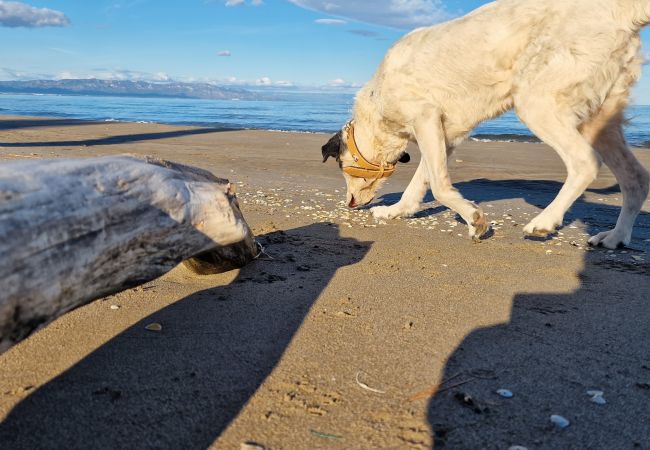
{"points": [[72, 231]]}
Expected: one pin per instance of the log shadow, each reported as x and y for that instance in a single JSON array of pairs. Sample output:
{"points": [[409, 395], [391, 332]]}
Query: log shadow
{"points": [[180, 388], [115, 140], [554, 349]]}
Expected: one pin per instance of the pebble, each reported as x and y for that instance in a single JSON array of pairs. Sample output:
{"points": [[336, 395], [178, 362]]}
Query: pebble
{"points": [[505, 393], [154, 327], [597, 397], [559, 421], [115, 307]]}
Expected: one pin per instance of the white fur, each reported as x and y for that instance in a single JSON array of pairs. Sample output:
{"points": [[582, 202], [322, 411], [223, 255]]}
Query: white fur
{"points": [[565, 66]]}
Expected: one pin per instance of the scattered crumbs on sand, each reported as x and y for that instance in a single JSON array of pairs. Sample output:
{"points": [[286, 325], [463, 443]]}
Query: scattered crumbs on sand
{"points": [[321, 206]]}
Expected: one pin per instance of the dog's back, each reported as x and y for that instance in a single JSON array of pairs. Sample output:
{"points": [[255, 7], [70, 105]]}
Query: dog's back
{"points": [[472, 66]]}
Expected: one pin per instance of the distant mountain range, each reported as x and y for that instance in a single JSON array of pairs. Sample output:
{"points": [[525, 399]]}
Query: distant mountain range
{"points": [[128, 88]]}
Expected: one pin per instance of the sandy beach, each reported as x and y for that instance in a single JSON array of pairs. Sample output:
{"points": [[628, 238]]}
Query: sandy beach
{"points": [[350, 333]]}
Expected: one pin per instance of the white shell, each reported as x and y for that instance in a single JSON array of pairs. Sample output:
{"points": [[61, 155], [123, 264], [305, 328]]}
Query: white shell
{"points": [[505, 393], [599, 400], [250, 446], [559, 421]]}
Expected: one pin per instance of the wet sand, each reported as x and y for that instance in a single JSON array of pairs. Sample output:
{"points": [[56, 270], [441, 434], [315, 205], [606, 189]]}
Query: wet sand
{"points": [[351, 334]]}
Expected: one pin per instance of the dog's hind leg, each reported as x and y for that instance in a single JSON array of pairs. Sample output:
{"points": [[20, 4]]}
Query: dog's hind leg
{"points": [[605, 131], [430, 136], [411, 199], [558, 128]]}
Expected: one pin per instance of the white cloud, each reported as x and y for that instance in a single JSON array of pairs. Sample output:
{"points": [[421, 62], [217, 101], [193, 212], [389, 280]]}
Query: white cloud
{"points": [[341, 83], [18, 14], [108, 74], [65, 75], [330, 21], [264, 81], [365, 33], [62, 50], [224, 53], [161, 76], [7, 74], [243, 2], [131, 75], [401, 14]]}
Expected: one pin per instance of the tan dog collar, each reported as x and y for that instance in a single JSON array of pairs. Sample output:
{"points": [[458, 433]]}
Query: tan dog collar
{"points": [[364, 168]]}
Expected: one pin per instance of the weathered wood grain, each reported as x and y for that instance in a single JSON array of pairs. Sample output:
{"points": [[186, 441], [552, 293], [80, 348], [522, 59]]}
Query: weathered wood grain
{"points": [[72, 231]]}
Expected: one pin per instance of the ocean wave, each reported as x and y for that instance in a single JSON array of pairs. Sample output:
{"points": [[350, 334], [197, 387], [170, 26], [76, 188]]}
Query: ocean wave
{"points": [[507, 137], [289, 131]]}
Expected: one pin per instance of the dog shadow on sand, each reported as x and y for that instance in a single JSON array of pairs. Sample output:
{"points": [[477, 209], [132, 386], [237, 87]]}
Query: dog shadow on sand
{"points": [[556, 348], [180, 388]]}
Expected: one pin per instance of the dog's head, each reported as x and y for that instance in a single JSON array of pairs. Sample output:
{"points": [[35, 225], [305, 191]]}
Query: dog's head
{"points": [[360, 190]]}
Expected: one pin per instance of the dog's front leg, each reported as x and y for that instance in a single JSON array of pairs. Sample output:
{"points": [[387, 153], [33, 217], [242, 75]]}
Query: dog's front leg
{"points": [[411, 199], [430, 136]]}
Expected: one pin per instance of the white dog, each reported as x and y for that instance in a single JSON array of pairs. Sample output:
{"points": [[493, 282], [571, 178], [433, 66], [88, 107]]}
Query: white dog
{"points": [[565, 66]]}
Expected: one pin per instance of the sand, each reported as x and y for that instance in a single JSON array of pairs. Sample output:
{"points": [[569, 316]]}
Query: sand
{"points": [[351, 334]]}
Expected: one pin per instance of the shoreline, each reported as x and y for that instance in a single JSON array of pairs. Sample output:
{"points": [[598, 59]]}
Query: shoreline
{"points": [[506, 136]]}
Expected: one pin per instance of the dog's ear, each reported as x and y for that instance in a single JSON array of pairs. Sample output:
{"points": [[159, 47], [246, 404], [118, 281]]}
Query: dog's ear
{"points": [[333, 147], [404, 158]]}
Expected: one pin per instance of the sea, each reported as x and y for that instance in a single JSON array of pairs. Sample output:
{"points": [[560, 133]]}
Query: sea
{"points": [[290, 111]]}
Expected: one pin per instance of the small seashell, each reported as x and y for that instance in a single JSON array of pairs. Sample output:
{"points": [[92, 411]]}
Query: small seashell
{"points": [[597, 397], [559, 421], [154, 327], [505, 393], [599, 400], [115, 307], [250, 446]]}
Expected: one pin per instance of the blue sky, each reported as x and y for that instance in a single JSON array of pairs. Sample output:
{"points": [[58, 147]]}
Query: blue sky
{"points": [[249, 42]]}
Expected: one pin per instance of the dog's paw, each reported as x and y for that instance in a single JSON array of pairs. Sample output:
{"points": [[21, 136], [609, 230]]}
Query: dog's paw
{"points": [[387, 212], [611, 239], [542, 226], [479, 225]]}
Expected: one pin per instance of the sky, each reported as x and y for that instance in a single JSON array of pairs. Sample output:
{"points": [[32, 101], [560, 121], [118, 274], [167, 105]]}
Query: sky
{"points": [[303, 43]]}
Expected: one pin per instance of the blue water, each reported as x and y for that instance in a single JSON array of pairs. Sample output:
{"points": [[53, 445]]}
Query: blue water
{"points": [[288, 111]]}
